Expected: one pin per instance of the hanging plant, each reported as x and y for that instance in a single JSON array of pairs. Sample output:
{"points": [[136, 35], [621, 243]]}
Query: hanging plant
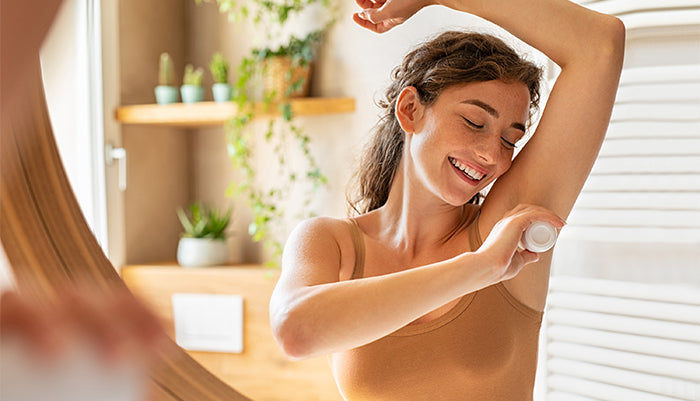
{"points": [[282, 134]]}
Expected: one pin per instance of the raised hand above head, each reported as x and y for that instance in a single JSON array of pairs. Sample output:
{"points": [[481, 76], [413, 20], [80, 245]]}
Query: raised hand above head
{"points": [[382, 15]]}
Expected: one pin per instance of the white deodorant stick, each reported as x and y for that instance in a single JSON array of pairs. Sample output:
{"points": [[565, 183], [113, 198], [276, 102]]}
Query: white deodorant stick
{"points": [[540, 236]]}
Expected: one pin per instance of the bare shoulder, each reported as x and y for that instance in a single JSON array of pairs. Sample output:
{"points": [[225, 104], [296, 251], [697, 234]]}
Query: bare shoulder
{"points": [[318, 249], [319, 231]]}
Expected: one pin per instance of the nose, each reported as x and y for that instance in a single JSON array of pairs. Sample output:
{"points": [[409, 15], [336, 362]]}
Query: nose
{"points": [[487, 149]]}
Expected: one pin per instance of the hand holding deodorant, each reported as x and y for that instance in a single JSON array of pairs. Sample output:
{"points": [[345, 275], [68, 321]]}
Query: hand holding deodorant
{"points": [[540, 236]]}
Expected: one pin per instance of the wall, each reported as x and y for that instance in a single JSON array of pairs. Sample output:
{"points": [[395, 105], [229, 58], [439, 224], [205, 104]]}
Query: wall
{"points": [[158, 173]]}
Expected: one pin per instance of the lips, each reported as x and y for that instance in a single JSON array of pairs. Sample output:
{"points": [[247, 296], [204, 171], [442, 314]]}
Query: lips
{"points": [[468, 172]]}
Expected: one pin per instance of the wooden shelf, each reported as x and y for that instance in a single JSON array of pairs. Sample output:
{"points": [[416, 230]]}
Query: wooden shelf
{"points": [[262, 362], [212, 113]]}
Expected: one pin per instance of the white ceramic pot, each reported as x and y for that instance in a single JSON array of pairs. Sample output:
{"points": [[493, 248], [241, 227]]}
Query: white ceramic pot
{"points": [[199, 252], [191, 93], [221, 92], [166, 94]]}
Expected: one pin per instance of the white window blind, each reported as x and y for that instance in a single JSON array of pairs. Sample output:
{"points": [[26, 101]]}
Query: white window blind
{"points": [[613, 340], [623, 315]]}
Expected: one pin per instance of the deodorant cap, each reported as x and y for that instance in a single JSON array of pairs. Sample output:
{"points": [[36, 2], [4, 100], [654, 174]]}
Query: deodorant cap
{"points": [[540, 236]]}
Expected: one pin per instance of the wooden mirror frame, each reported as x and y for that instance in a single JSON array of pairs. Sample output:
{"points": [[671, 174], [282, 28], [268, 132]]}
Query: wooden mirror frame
{"points": [[45, 236]]}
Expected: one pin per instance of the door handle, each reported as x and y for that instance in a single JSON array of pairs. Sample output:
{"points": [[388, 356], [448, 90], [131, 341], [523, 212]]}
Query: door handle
{"points": [[117, 154]]}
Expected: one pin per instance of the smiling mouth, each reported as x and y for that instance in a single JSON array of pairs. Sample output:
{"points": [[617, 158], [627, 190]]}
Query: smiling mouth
{"points": [[466, 170]]}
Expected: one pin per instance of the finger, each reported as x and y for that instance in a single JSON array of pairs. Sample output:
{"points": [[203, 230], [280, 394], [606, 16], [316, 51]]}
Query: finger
{"points": [[144, 327], [366, 23], [528, 256], [21, 317], [532, 213], [365, 4], [90, 318]]}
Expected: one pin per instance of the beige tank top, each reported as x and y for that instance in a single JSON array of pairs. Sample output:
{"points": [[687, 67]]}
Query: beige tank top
{"points": [[484, 348]]}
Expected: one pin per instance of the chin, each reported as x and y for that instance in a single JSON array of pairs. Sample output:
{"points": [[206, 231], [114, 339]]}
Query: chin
{"points": [[459, 201]]}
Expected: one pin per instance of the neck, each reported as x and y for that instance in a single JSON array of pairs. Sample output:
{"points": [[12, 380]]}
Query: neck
{"points": [[413, 218]]}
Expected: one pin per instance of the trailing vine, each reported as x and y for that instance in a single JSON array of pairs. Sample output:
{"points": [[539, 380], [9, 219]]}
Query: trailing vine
{"points": [[266, 203]]}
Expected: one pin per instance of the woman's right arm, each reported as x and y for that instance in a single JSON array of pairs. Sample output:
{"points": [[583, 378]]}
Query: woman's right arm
{"points": [[312, 313]]}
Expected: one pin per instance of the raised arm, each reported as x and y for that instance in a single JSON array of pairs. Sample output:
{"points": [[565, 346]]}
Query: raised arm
{"points": [[551, 170]]}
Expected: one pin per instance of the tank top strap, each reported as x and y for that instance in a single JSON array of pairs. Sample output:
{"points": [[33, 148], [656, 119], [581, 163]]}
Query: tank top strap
{"points": [[358, 244], [474, 235]]}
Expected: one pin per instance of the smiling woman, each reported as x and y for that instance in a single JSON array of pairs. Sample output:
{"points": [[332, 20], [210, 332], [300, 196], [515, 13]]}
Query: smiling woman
{"points": [[423, 294]]}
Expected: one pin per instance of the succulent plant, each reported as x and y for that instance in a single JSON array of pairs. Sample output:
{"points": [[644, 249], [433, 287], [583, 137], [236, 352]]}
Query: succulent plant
{"points": [[219, 68], [204, 222], [193, 76], [165, 70]]}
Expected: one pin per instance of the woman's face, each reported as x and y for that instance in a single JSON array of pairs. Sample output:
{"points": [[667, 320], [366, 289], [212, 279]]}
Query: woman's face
{"points": [[465, 140]]}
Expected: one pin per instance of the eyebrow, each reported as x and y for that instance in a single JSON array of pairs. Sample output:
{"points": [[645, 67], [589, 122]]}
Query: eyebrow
{"points": [[489, 109]]}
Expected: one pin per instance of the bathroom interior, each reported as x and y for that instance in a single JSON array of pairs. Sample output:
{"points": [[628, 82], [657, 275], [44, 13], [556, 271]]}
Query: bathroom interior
{"points": [[623, 316]]}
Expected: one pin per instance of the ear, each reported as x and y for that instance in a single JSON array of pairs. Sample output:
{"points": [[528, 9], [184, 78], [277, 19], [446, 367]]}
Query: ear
{"points": [[409, 109]]}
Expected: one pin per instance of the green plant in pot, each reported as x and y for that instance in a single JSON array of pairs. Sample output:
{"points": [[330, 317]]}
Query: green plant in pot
{"points": [[287, 69], [166, 91], [221, 90], [203, 240], [191, 89]]}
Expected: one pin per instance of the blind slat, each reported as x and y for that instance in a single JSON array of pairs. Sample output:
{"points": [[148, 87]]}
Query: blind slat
{"points": [[682, 350], [625, 306], [649, 164], [600, 391], [625, 325], [652, 147], [659, 385], [624, 360], [639, 200], [636, 218], [621, 183]]}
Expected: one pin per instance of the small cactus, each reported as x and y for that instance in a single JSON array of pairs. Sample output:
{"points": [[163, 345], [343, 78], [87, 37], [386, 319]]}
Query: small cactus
{"points": [[165, 70], [219, 69], [192, 76]]}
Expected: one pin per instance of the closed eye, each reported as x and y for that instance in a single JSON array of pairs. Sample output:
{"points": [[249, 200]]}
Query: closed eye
{"points": [[472, 124], [508, 143]]}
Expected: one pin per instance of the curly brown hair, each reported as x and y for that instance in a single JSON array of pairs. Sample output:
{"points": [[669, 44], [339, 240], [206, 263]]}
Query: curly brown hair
{"points": [[449, 59]]}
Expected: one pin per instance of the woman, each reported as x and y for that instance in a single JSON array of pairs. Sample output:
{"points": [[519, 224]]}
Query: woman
{"points": [[406, 300]]}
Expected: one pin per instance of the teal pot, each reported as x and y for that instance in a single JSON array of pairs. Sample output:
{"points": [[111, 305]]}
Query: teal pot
{"points": [[166, 94], [221, 92], [192, 93], [201, 252]]}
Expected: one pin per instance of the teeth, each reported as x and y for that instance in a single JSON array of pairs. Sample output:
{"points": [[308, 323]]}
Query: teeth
{"points": [[470, 172]]}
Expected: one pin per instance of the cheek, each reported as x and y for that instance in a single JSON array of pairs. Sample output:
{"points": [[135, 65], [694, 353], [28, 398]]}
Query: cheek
{"points": [[505, 163]]}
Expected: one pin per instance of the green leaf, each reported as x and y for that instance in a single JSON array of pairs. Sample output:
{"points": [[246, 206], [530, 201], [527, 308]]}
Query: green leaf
{"points": [[286, 110]]}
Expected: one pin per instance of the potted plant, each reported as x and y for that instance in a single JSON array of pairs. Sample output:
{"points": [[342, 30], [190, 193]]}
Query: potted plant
{"points": [[203, 241], [166, 92], [221, 90], [191, 89], [287, 69]]}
